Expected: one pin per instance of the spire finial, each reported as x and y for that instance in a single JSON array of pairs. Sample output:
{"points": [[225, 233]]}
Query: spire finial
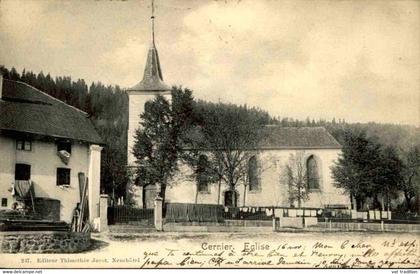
{"points": [[152, 77], [153, 22]]}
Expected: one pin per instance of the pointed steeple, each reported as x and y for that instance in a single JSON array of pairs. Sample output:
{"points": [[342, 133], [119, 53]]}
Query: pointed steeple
{"points": [[152, 77]]}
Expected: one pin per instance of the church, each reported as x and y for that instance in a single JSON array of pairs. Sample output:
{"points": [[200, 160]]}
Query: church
{"points": [[265, 186]]}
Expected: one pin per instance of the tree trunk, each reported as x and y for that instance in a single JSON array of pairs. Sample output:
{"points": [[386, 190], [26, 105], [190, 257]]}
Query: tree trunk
{"points": [[218, 194], [196, 192], [299, 198], [113, 193], [407, 201], [244, 195], [353, 202], [359, 203], [383, 202], [162, 192]]}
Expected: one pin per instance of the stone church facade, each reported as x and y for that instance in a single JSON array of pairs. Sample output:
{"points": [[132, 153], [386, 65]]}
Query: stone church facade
{"points": [[266, 186]]}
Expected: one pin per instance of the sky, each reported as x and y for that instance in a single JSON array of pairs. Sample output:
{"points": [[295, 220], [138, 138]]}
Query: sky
{"points": [[354, 60]]}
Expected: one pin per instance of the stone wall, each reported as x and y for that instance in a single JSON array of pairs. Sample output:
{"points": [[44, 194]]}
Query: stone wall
{"points": [[43, 242], [295, 222]]}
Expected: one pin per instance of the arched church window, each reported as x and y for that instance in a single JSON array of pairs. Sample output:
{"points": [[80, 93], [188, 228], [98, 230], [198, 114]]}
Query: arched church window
{"points": [[312, 170], [253, 179], [202, 174]]}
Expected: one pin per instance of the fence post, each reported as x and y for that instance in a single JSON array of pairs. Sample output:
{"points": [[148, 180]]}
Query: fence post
{"points": [[382, 225], [158, 212], [274, 223], [103, 213]]}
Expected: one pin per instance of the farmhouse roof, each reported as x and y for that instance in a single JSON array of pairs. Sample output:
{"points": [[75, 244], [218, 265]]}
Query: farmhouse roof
{"points": [[25, 109], [297, 137]]}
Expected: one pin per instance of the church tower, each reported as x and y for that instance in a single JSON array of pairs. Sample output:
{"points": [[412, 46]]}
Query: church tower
{"points": [[151, 86]]}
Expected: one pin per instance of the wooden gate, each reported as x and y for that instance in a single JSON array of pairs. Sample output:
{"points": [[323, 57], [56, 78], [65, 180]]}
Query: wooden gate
{"points": [[129, 214]]}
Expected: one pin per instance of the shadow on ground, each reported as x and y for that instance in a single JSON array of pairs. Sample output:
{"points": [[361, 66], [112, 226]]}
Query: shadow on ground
{"points": [[96, 245]]}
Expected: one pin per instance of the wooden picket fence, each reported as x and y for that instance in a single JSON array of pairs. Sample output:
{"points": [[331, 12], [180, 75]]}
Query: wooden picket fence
{"points": [[129, 214]]}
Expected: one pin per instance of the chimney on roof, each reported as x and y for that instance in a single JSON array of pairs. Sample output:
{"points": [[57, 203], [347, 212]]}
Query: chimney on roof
{"points": [[1, 86]]}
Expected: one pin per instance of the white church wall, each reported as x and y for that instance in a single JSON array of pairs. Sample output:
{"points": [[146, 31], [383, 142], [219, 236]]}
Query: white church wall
{"points": [[183, 188], [273, 188]]}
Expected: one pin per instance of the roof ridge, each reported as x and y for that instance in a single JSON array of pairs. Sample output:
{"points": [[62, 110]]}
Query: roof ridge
{"points": [[46, 94], [294, 136], [280, 126]]}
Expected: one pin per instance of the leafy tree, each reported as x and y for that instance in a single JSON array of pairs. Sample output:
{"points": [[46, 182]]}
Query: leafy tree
{"points": [[158, 140], [410, 185], [357, 169], [367, 169], [390, 176], [295, 174], [14, 75]]}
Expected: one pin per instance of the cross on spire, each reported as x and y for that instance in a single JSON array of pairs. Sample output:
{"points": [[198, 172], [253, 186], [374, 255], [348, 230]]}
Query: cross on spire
{"points": [[152, 18]]}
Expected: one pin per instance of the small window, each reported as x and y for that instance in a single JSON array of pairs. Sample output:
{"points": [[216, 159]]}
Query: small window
{"points": [[22, 172], [64, 146], [3, 202], [23, 145], [63, 176]]}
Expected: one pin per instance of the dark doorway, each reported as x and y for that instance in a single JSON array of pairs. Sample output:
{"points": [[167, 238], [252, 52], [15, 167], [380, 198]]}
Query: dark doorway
{"points": [[149, 195], [231, 198]]}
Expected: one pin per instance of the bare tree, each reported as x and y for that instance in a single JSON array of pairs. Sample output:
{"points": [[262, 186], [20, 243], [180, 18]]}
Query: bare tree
{"points": [[295, 174], [229, 136]]}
